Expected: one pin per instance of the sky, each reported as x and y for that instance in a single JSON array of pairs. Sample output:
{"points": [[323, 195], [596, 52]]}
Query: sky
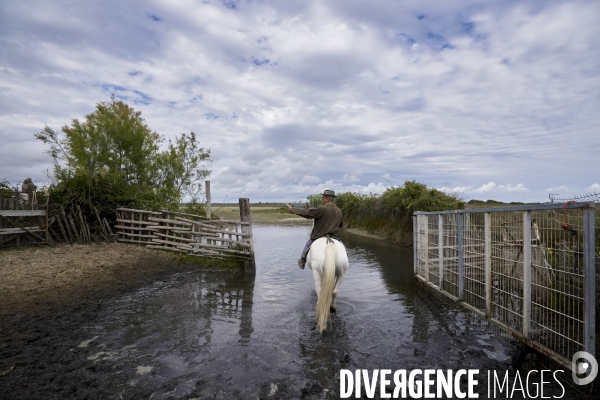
{"points": [[487, 100]]}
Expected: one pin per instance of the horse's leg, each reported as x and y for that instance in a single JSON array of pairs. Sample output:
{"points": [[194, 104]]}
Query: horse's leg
{"points": [[338, 282], [340, 271], [317, 275]]}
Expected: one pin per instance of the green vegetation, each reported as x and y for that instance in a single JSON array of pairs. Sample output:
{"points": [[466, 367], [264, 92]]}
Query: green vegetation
{"points": [[491, 204], [390, 214], [6, 188], [270, 210], [314, 200], [112, 158]]}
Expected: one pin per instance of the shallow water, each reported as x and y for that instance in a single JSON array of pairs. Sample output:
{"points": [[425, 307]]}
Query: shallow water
{"points": [[223, 335]]}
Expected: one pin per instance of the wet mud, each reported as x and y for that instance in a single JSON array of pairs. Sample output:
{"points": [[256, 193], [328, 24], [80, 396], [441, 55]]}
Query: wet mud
{"points": [[187, 333], [41, 356]]}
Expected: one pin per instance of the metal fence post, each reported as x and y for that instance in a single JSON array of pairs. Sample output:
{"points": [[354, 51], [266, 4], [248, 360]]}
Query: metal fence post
{"points": [[526, 273], [488, 263], [426, 247], [441, 251], [589, 260], [415, 243], [461, 272]]}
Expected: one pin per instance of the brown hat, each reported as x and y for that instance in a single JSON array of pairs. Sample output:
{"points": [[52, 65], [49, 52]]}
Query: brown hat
{"points": [[329, 193]]}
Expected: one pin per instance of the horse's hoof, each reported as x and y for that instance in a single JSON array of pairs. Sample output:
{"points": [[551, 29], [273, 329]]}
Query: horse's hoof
{"points": [[331, 310]]}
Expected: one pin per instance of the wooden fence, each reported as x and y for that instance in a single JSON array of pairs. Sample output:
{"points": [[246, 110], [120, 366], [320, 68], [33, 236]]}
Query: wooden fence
{"points": [[22, 219], [189, 234], [75, 226]]}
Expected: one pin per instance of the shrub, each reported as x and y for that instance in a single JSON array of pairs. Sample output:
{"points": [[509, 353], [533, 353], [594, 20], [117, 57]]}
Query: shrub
{"points": [[391, 213]]}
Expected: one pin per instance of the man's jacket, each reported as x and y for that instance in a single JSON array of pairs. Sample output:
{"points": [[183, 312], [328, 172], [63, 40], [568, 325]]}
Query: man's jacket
{"points": [[328, 219]]}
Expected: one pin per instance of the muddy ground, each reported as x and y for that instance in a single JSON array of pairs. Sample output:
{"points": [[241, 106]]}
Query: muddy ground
{"points": [[48, 296]]}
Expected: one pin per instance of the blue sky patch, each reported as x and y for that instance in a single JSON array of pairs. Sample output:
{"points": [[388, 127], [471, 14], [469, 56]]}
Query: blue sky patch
{"points": [[468, 27], [108, 88], [408, 39], [231, 4], [153, 17], [258, 62]]}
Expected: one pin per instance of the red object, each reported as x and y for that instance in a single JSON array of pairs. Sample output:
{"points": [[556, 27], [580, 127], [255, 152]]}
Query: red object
{"points": [[566, 225]]}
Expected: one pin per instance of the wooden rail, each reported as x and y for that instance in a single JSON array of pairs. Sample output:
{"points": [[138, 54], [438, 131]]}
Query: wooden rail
{"points": [[189, 234], [22, 219]]}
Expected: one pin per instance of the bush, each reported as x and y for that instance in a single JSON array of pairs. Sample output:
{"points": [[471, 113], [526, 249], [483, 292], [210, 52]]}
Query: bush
{"points": [[112, 159], [391, 213]]}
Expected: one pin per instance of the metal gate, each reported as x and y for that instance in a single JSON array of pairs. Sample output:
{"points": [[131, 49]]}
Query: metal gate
{"points": [[529, 270]]}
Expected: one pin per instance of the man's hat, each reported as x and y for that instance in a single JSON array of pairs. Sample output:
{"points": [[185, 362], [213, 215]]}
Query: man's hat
{"points": [[329, 193]]}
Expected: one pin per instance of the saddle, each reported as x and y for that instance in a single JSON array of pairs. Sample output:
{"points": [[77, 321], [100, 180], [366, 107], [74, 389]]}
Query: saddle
{"points": [[330, 239]]}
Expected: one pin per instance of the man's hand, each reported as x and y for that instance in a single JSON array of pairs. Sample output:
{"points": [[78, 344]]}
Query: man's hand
{"points": [[288, 206]]}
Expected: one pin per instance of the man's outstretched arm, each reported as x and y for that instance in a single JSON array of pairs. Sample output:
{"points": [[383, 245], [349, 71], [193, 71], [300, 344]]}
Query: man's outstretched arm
{"points": [[310, 213]]}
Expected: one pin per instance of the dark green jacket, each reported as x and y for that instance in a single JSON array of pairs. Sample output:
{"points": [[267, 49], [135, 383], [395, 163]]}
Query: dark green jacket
{"points": [[328, 219]]}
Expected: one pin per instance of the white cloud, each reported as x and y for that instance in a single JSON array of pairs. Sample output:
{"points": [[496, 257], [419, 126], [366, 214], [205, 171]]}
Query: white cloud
{"points": [[492, 187], [488, 187], [285, 92], [350, 178], [310, 179], [454, 190], [559, 189]]}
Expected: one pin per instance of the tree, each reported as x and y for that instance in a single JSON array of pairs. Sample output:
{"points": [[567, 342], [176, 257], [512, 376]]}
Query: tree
{"points": [[178, 169], [113, 158], [314, 200]]}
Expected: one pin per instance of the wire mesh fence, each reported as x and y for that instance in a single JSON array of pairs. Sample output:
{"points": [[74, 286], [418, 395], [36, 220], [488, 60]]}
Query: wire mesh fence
{"points": [[530, 270]]}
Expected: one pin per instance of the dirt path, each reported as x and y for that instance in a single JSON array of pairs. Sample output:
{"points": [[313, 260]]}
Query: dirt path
{"points": [[34, 278]]}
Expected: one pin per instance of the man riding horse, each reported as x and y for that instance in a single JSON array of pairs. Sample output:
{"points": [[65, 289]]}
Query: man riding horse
{"points": [[328, 221]]}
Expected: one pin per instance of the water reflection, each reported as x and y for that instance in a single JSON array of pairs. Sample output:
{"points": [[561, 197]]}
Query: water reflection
{"points": [[247, 335]]}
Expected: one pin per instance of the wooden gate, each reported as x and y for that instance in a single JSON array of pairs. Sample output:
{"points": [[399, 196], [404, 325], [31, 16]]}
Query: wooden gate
{"points": [[189, 234], [22, 219]]}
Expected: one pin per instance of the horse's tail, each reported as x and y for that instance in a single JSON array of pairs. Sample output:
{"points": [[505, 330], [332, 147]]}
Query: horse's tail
{"points": [[324, 302]]}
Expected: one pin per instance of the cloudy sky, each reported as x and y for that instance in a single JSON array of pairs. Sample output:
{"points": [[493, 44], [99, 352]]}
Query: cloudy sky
{"points": [[491, 100]]}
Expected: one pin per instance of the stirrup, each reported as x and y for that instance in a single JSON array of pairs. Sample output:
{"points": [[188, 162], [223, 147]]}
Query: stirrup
{"points": [[301, 263]]}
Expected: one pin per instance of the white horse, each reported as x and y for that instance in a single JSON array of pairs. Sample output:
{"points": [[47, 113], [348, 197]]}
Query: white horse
{"points": [[329, 262]]}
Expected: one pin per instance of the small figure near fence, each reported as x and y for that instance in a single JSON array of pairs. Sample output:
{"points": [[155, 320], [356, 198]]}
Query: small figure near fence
{"points": [[27, 189], [28, 186], [328, 221]]}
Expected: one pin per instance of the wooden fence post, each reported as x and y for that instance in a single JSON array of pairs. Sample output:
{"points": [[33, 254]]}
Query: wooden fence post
{"points": [[247, 229], [207, 189]]}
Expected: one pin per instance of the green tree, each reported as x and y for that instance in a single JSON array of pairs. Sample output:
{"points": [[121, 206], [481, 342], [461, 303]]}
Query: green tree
{"points": [[178, 169], [6, 188], [113, 158], [314, 200]]}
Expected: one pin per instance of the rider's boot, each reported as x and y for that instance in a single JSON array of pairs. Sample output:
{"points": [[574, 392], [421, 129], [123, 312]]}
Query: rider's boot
{"points": [[301, 263]]}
